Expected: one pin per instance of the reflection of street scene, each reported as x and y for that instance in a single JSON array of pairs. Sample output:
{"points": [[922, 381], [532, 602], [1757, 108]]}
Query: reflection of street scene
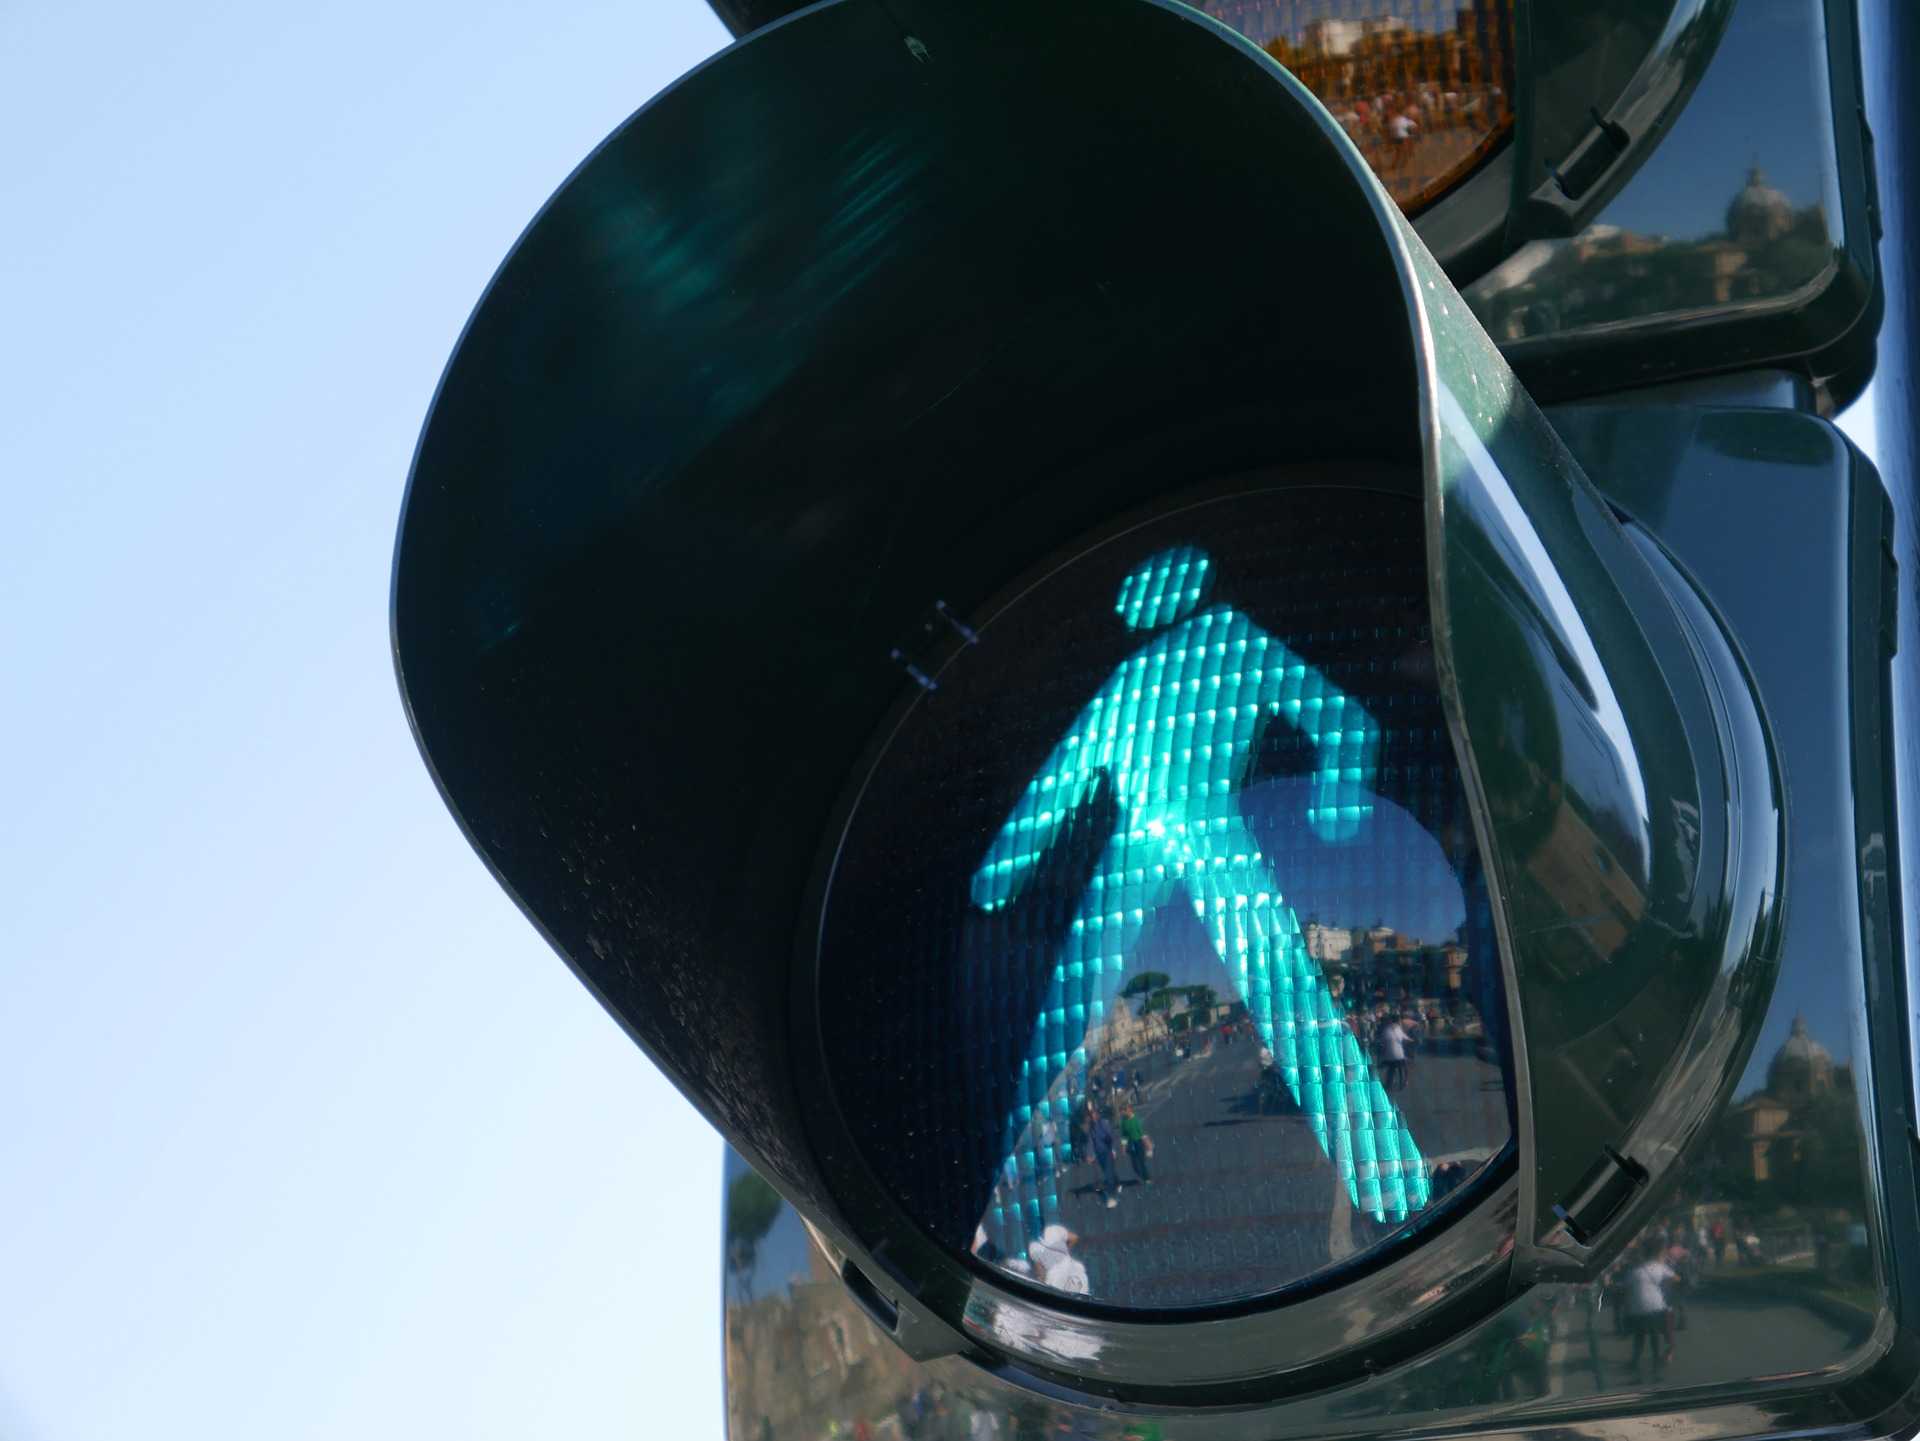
{"points": [[805, 1363], [1420, 86], [1173, 734], [800, 1359], [1768, 248], [1188, 1167], [1679, 1308], [1760, 1267]]}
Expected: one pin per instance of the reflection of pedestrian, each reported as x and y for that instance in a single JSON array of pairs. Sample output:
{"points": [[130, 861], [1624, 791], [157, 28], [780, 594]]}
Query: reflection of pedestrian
{"points": [[1055, 1264], [1137, 1141], [1049, 1145], [1101, 1138], [1270, 1091], [1402, 128], [1393, 1039], [1527, 1341], [1647, 1308], [1680, 1261], [1613, 1287], [1591, 1305]]}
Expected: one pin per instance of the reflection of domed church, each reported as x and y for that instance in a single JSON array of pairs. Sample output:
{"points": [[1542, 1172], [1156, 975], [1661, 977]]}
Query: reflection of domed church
{"points": [[1769, 248], [1802, 1068], [1759, 213], [1762, 1137]]}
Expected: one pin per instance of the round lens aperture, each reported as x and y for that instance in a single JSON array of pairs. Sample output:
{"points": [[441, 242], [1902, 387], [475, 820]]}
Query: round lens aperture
{"points": [[1156, 966]]}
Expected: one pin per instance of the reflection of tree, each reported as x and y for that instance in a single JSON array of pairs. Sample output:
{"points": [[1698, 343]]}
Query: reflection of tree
{"points": [[1149, 986], [1824, 1170], [752, 1208], [1030, 1419], [1767, 249], [1201, 1003]]}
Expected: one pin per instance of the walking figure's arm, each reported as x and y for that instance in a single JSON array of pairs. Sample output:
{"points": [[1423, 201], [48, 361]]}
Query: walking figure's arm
{"points": [[1062, 786], [1345, 737]]}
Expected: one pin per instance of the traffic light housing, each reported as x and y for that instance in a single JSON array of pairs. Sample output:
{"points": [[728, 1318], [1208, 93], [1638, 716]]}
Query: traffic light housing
{"points": [[754, 458]]}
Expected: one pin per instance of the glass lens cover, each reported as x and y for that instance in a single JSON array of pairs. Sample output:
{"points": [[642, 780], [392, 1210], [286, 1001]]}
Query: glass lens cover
{"points": [[1156, 965]]}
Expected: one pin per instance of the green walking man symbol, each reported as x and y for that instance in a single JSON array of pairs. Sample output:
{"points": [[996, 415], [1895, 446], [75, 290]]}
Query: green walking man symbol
{"points": [[1174, 731]]}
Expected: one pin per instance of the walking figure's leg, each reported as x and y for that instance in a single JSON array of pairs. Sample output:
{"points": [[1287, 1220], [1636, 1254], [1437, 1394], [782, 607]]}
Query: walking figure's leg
{"points": [[1258, 939], [1087, 975]]}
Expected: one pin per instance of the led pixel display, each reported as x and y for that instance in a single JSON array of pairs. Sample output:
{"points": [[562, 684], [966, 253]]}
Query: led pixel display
{"points": [[1209, 1004]]}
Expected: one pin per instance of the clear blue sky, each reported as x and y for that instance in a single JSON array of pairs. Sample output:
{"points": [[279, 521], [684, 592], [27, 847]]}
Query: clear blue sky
{"points": [[305, 1131]]}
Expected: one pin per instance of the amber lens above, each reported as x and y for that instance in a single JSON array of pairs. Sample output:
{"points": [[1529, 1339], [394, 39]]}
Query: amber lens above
{"points": [[1423, 87]]}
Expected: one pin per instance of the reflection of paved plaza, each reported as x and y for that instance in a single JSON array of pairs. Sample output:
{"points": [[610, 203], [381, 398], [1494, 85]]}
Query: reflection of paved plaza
{"points": [[1723, 1338], [1728, 1337], [1241, 1201]]}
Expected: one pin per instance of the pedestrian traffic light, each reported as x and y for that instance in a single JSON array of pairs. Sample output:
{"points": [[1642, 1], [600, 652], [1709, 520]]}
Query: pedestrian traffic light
{"points": [[979, 582]]}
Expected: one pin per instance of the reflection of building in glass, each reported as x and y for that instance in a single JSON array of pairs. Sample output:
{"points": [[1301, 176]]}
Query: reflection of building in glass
{"points": [[1767, 1134], [1327, 943], [1768, 249], [1421, 86], [1125, 1031], [1801, 1068], [803, 1355], [1603, 892], [1789, 1168], [1369, 967], [1759, 213], [1442, 968]]}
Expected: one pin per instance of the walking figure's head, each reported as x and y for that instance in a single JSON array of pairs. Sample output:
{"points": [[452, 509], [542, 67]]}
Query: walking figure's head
{"points": [[1166, 586]]}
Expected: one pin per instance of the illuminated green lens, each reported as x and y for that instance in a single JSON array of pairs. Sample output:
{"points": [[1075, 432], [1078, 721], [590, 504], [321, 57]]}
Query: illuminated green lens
{"points": [[1208, 1005]]}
